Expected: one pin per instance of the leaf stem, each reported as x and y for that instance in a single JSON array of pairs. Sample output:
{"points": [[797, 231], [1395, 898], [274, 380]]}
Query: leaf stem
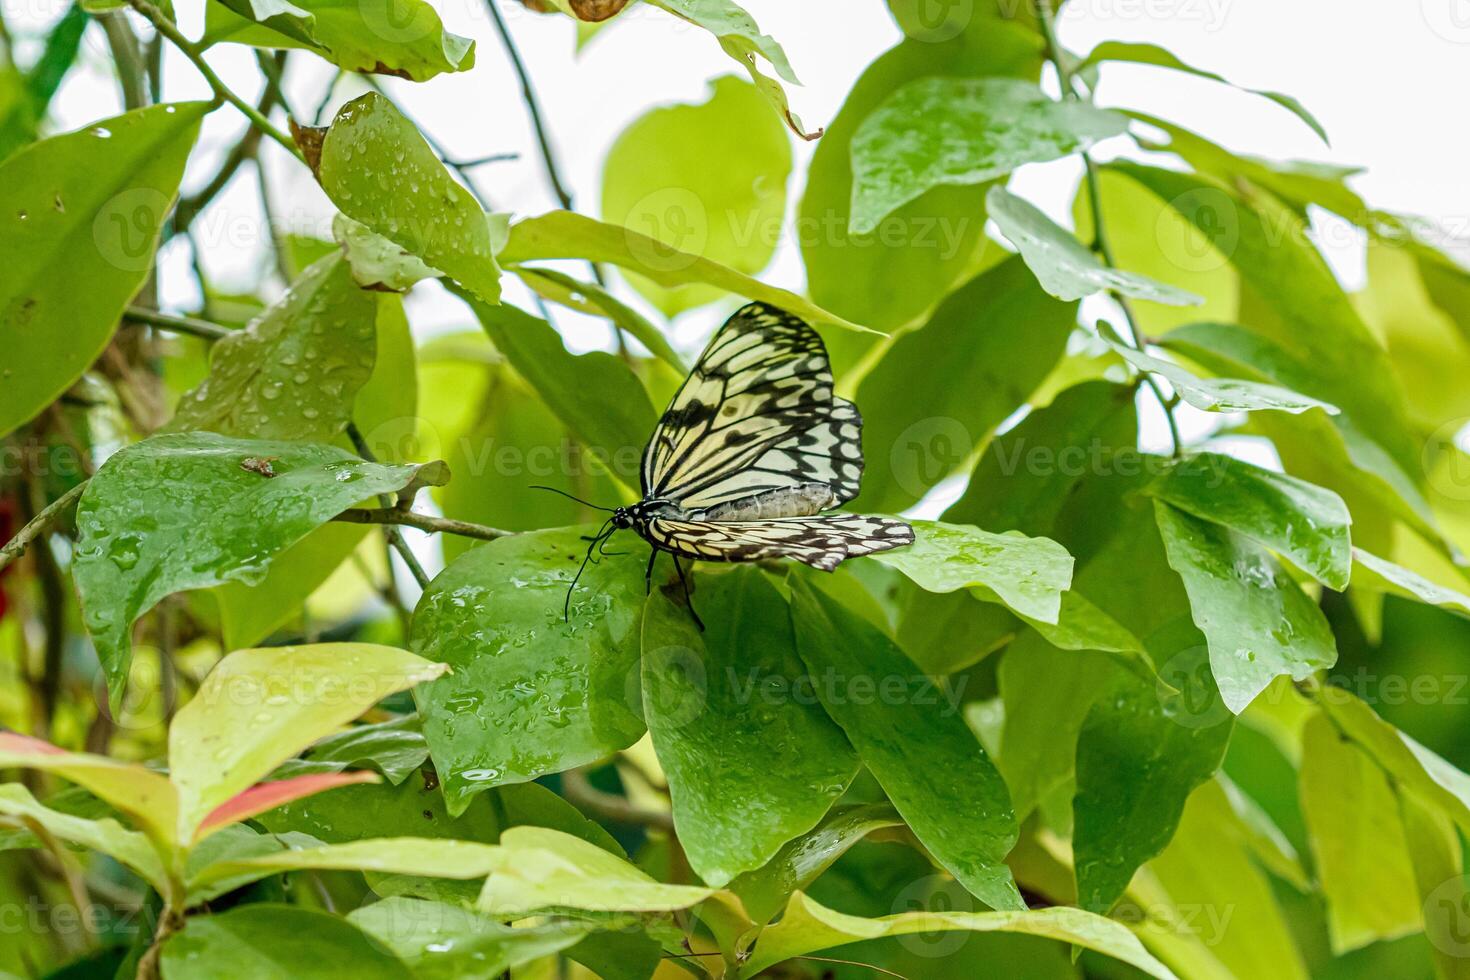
{"points": [[1101, 243], [390, 531], [39, 524], [191, 51], [422, 522], [177, 324]]}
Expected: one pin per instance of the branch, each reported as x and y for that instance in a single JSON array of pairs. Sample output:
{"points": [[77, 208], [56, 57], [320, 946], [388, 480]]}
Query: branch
{"points": [[177, 324], [191, 51], [1101, 245], [423, 522], [246, 149], [395, 540], [39, 525], [609, 806], [533, 106], [127, 58]]}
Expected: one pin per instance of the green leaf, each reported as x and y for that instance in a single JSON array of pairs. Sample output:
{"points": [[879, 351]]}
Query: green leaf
{"points": [[1437, 853], [386, 37], [449, 942], [1296, 519], [894, 276], [917, 746], [707, 179], [545, 869], [1338, 450], [742, 40], [1357, 841], [418, 856], [145, 796], [316, 346], [376, 262], [1214, 394], [276, 942], [567, 235], [1152, 54], [937, 131], [192, 510], [76, 244], [927, 409], [1047, 693], [751, 761], [414, 808], [595, 394], [766, 890], [808, 927], [106, 835], [1259, 624], [1028, 474], [286, 698], [1064, 266], [378, 170], [1304, 309], [532, 692], [1209, 865], [1027, 574], [1388, 577], [394, 748], [1139, 756], [597, 300]]}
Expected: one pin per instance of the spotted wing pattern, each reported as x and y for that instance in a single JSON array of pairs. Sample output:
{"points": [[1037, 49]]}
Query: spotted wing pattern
{"points": [[822, 542], [756, 415]]}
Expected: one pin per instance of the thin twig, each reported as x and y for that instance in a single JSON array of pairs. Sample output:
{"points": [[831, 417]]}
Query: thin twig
{"points": [[191, 51], [177, 324], [1094, 196], [127, 58], [533, 107], [579, 790], [38, 525], [422, 522], [395, 539], [244, 149]]}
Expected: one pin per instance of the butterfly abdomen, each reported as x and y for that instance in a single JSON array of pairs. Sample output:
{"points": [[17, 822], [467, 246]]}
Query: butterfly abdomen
{"points": [[803, 501]]}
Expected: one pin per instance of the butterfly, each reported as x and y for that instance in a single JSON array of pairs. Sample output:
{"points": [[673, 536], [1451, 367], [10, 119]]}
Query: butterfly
{"points": [[751, 452]]}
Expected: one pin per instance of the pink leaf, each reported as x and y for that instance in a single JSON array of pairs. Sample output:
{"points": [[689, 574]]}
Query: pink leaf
{"points": [[267, 796], [16, 742]]}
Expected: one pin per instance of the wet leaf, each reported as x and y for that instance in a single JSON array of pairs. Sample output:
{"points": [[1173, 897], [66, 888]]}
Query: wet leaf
{"points": [[449, 942], [294, 373], [276, 942], [378, 169], [182, 511], [751, 761], [532, 693], [1063, 265], [938, 131]]}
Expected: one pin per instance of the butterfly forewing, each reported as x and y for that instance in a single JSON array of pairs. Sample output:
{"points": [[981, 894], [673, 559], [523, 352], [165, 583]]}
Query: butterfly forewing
{"points": [[756, 416], [822, 542]]}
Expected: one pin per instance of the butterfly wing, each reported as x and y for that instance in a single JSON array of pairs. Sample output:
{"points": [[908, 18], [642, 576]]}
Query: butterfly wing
{"points": [[755, 415], [822, 542]]}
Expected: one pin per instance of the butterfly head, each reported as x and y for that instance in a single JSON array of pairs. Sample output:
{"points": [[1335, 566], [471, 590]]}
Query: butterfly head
{"points": [[623, 518]]}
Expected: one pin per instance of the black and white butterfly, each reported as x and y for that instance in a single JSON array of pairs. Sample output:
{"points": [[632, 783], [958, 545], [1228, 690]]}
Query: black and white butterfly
{"points": [[752, 450]]}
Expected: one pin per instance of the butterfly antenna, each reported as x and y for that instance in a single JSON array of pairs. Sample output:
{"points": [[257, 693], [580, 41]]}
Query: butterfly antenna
{"points": [[579, 500], [602, 535]]}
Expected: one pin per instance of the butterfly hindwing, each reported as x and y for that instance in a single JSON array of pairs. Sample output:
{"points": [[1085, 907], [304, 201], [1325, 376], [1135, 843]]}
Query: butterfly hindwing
{"points": [[756, 415], [822, 542]]}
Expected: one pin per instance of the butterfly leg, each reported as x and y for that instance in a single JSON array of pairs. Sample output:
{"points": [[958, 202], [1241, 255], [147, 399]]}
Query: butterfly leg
{"points": [[688, 596], [648, 575]]}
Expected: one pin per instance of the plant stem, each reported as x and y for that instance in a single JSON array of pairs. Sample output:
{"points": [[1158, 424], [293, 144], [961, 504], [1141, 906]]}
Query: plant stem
{"points": [[533, 107], [390, 531], [177, 324], [1094, 197], [422, 522], [191, 51], [127, 58], [38, 525], [579, 790]]}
